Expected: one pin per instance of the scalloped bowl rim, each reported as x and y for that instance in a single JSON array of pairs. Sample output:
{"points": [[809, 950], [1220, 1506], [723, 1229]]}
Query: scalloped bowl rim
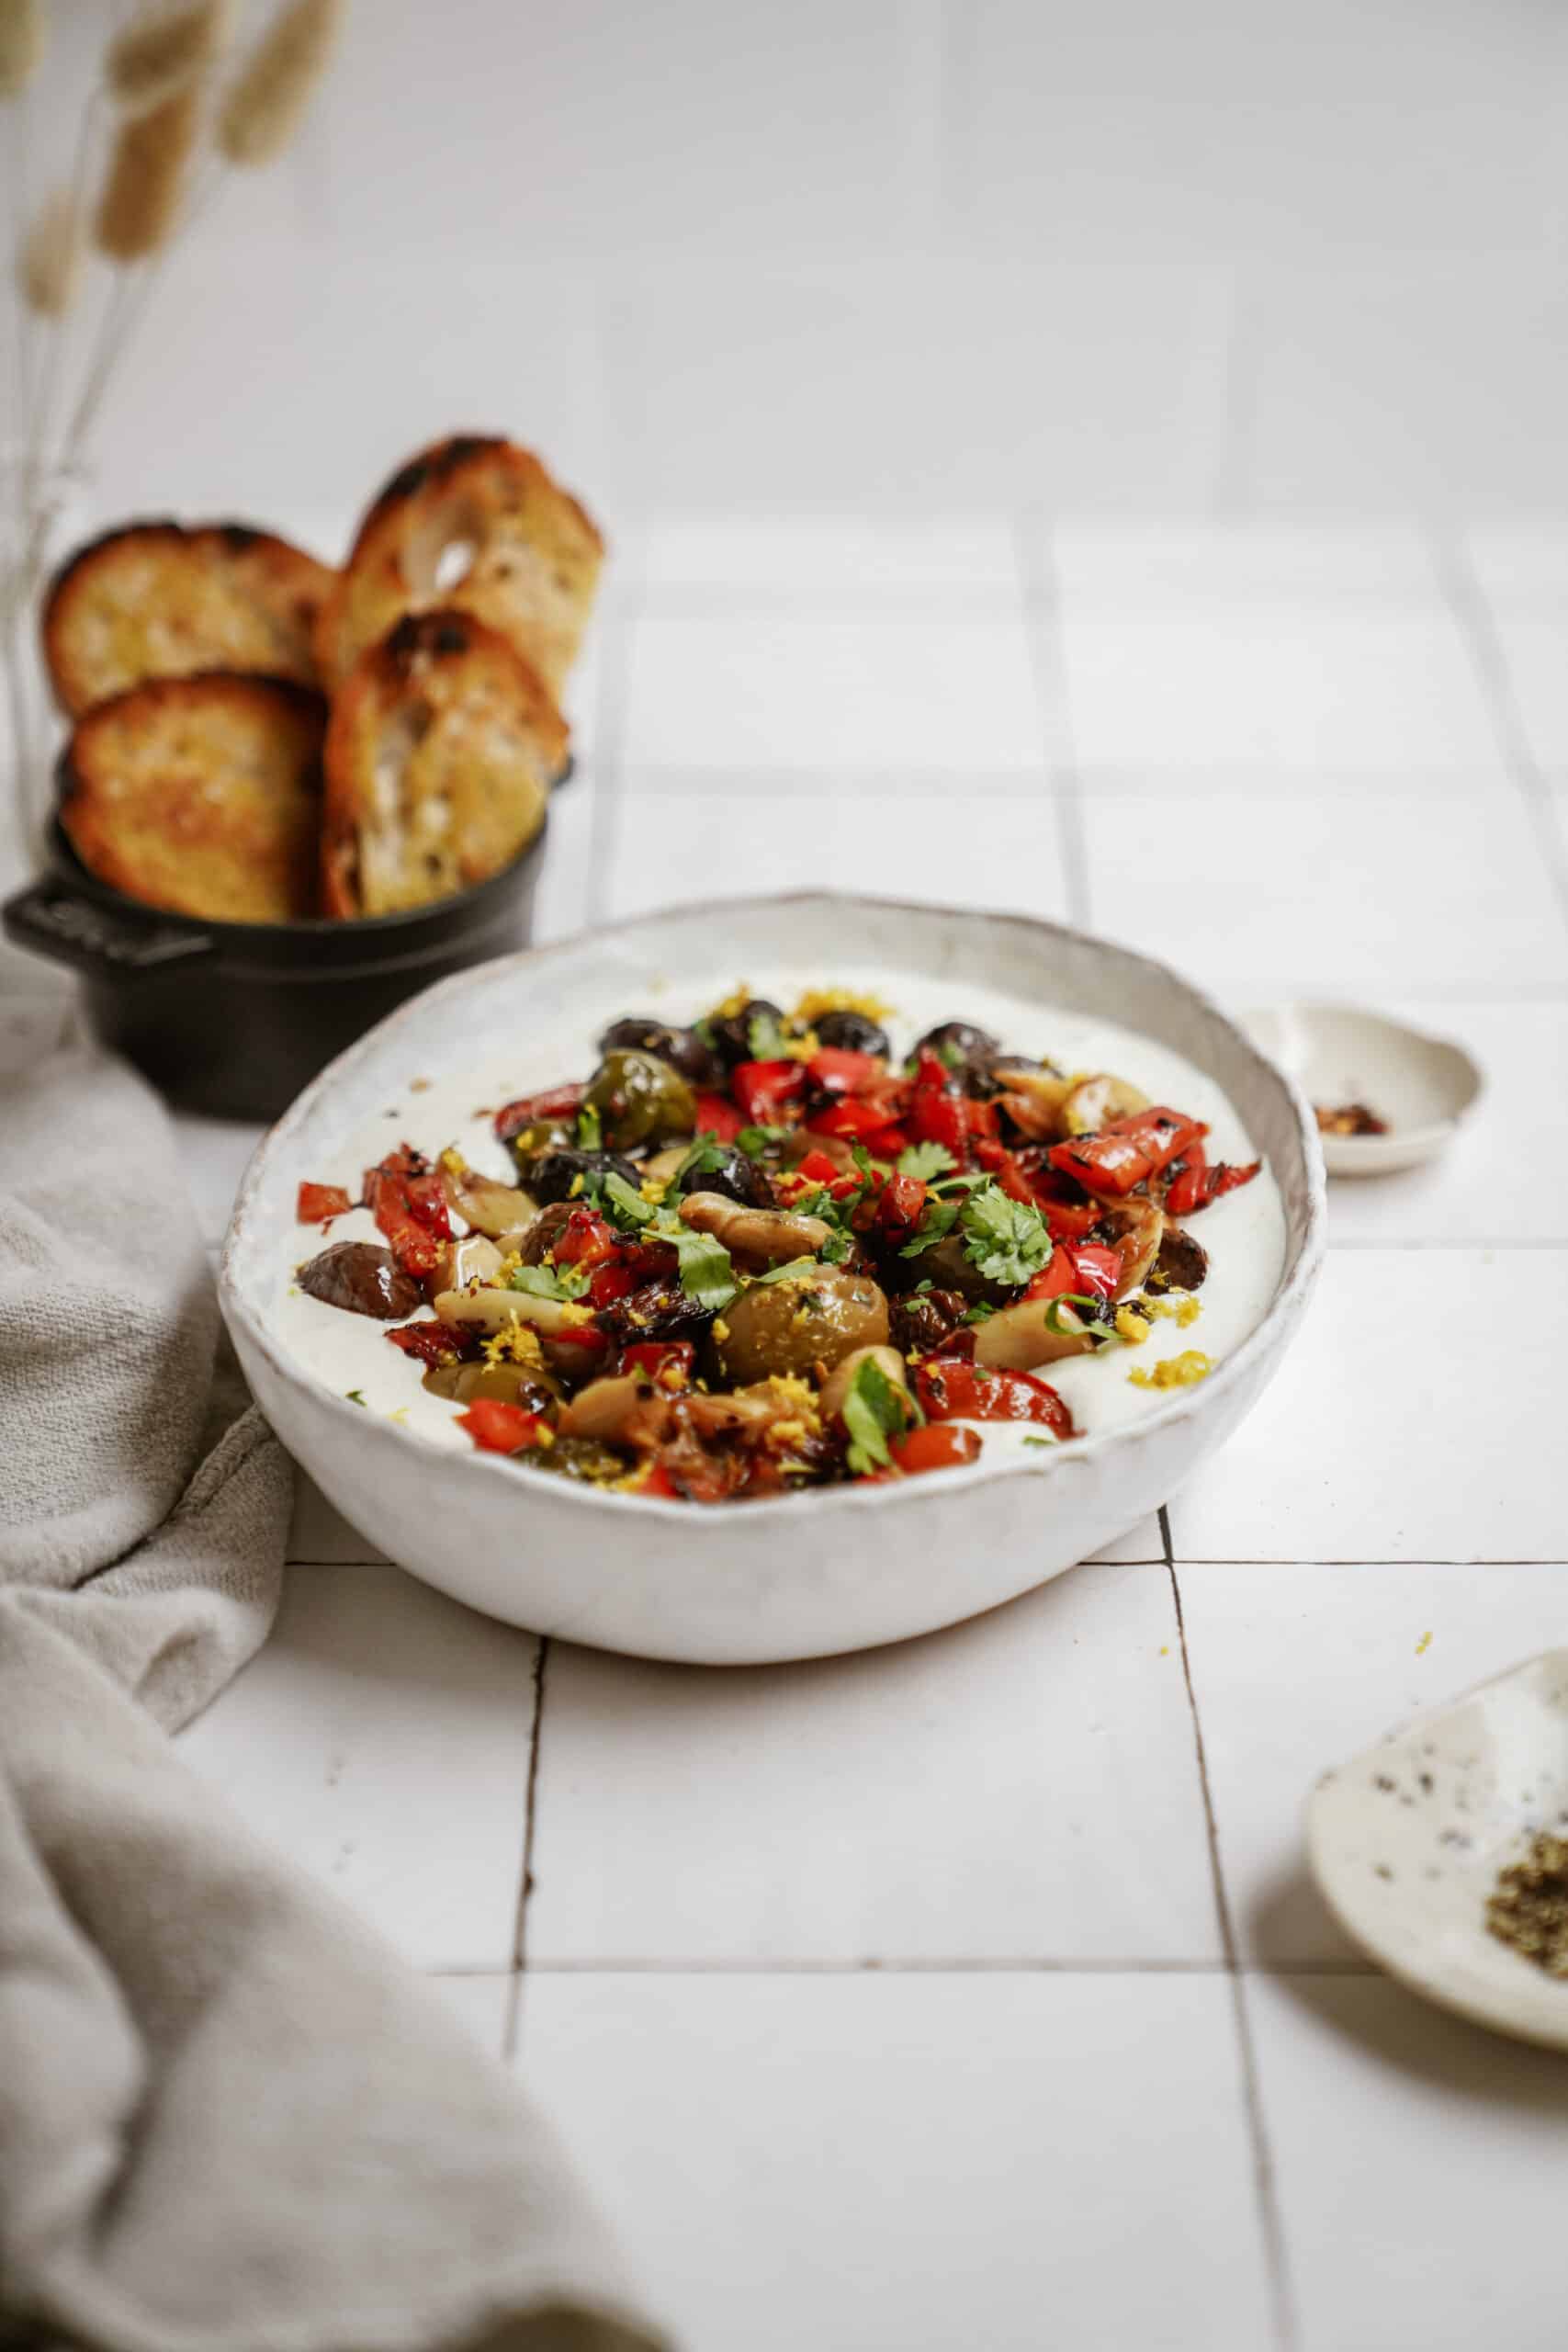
{"points": [[808, 1506]]}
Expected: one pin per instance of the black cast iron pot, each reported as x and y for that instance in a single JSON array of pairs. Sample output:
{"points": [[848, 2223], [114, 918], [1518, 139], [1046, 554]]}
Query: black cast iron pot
{"points": [[233, 1018]]}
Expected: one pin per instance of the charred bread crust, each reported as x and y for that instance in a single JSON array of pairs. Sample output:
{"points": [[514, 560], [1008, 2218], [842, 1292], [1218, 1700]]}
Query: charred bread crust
{"points": [[440, 752], [156, 598], [201, 794], [535, 555]]}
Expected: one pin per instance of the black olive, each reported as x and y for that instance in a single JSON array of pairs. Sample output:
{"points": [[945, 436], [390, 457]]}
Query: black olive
{"points": [[853, 1032], [363, 1278], [1182, 1263], [959, 1044], [550, 1174], [659, 1310], [725, 1170], [732, 1034], [921, 1323], [682, 1048]]}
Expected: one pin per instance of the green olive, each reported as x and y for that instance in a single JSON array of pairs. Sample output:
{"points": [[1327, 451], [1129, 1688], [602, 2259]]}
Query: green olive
{"points": [[639, 1099], [786, 1328]]}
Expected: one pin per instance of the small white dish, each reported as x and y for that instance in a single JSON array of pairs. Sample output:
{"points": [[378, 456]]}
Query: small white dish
{"points": [[1420, 1085], [1407, 1842]]}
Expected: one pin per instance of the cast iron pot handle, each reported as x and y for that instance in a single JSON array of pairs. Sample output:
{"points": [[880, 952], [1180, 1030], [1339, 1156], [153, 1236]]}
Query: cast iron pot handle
{"points": [[52, 920]]}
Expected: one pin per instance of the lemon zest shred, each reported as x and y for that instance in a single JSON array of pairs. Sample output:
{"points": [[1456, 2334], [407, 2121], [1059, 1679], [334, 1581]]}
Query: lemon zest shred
{"points": [[1173, 1372]]}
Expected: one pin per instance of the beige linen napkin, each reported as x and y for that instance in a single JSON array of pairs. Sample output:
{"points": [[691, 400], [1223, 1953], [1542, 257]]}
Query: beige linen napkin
{"points": [[229, 2120]]}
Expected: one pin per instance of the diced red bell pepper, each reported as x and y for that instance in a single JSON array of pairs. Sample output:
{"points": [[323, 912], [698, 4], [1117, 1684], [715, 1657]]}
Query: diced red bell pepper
{"points": [[855, 1121], [717, 1115], [553, 1108], [950, 1389], [983, 1120], [610, 1283], [659, 1482], [886, 1143], [1127, 1151], [435, 1343], [585, 1239], [499, 1428], [657, 1360], [1004, 1166], [316, 1203], [405, 1197], [837, 1070], [1194, 1184], [900, 1206], [764, 1089], [817, 1168], [1086, 1269], [585, 1340], [938, 1446], [936, 1114]]}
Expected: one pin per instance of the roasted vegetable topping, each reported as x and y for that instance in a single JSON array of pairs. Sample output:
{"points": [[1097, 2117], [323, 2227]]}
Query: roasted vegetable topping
{"points": [[759, 1252]]}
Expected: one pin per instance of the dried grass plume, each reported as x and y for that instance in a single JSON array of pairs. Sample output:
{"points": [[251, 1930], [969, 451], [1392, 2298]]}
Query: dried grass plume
{"points": [[163, 49], [21, 44], [49, 267], [265, 107], [139, 208]]}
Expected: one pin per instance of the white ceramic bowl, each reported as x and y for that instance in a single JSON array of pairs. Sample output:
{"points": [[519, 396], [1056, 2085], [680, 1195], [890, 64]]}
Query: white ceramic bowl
{"points": [[1422, 1085], [1408, 1840], [840, 1568]]}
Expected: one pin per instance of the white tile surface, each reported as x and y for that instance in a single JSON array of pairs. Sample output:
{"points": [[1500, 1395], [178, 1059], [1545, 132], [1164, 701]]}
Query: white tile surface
{"points": [[382, 1738], [1532, 646], [1519, 566], [1360, 1650], [1108, 571], [945, 380], [1268, 684], [1022, 1786], [832, 558], [914, 2162], [319, 1533], [1419, 2163], [482, 2003], [764, 689], [1389, 890], [675, 845], [1403, 1450]]}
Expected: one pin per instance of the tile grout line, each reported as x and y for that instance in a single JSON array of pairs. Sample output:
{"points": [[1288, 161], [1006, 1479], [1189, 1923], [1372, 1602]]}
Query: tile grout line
{"points": [[511, 2023], [1265, 2185], [1039, 593], [1468, 603], [1017, 1964], [609, 750]]}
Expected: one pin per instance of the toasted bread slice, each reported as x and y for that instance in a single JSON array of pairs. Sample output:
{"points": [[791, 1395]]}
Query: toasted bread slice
{"points": [[439, 758], [474, 525], [155, 600], [202, 795]]}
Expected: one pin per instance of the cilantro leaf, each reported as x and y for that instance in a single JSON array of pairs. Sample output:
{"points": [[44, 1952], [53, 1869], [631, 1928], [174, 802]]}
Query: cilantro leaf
{"points": [[705, 1158], [836, 1248], [981, 1312], [621, 1202], [925, 1160], [707, 1277], [1007, 1241], [356, 1397], [1086, 1317], [936, 1224], [875, 1408], [550, 1281], [590, 1128], [788, 1273], [754, 1141]]}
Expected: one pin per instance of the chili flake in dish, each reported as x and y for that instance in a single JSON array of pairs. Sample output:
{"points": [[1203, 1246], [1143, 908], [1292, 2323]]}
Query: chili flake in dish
{"points": [[765, 1251]]}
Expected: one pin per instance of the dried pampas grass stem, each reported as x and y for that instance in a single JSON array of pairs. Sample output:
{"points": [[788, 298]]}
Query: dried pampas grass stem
{"points": [[21, 44], [48, 267], [267, 102], [163, 50], [139, 207]]}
